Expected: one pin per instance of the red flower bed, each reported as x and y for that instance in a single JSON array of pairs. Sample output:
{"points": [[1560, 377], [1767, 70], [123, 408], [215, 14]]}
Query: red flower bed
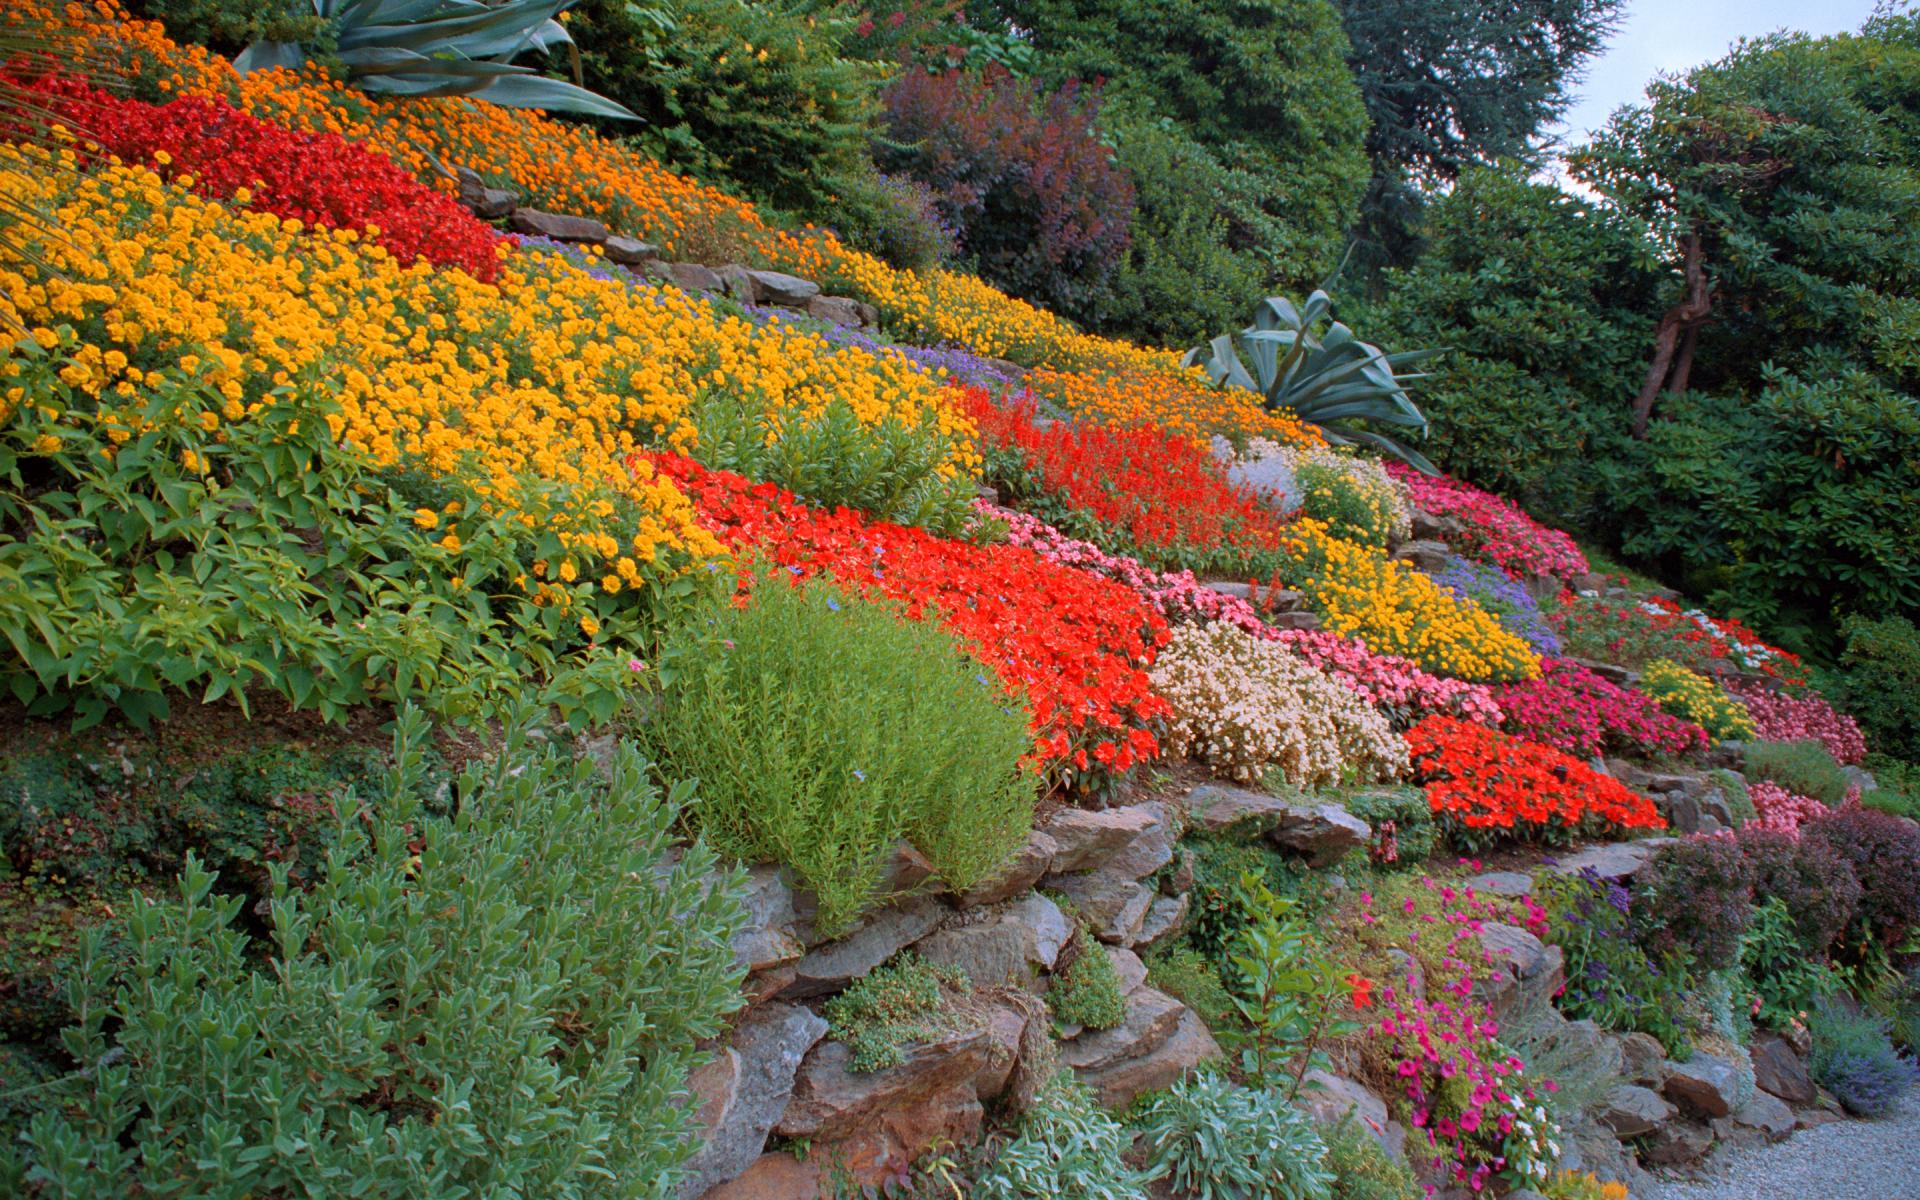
{"points": [[1495, 530], [319, 178], [1156, 493], [1778, 717], [1073, 644], [1479, 780], [1571, 708], [1638, 631]]}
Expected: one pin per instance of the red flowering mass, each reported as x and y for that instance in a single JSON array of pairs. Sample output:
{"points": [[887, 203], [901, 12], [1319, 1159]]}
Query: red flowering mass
{"points": [[1571, 708], [1139, 490], [319, 178], [1075, 645], [1639, 630], [1485, 780]]}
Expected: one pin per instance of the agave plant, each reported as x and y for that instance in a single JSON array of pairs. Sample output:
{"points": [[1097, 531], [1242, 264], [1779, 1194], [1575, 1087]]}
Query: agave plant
{"points": [[1332, 380], [445, 48]]}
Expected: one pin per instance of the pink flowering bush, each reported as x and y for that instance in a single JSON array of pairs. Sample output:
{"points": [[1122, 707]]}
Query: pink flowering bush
{"points": [[1387, 681], [1577, 711], [1778, 717], [1497, 531], [1782, 811], [1434, 1040]]}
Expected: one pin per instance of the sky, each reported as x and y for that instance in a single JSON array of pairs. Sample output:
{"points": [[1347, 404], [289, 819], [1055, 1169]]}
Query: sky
{"points": [[1671, 35]]}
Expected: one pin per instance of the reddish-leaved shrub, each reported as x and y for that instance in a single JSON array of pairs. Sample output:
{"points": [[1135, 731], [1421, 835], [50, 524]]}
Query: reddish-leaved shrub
{"points": [[1884, 851], [1816, 884], [1698, 899]]}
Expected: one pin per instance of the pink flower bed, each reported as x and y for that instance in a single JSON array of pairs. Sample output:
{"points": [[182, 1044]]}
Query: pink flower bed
{"points": [[1778, 717], [1497, 531], [1781, 810], [1385, 680], [1577, 711]]}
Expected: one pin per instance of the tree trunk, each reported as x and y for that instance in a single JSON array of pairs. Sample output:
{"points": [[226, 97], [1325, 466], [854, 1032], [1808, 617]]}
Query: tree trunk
{"points": [[1684, 318]]}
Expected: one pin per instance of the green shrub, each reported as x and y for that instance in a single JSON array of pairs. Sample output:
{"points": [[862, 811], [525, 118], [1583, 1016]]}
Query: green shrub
{"points": [[1788, 981], [891, 1008], [1361, 1168], [1805, 768], [1733, 786], [1405, 833], [759, 94], [1695, 898], [228, 26], [1610, 978], [1212, 1139], [1066, 1146], [1878, 682], [823, 727], [1193, 979], [1085, 990], [532, 972]]}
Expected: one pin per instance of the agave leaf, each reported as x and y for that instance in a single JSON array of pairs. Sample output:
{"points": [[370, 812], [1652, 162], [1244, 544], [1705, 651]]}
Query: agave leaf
{"points": [[478, 31], [1398, 449], [264, 56]]}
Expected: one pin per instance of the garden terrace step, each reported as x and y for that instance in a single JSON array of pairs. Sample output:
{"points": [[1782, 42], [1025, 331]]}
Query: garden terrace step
{"points": [[487, 203], [1322, 830], [1012, 944], [558, 226], [742, 1092], [630, 252]]}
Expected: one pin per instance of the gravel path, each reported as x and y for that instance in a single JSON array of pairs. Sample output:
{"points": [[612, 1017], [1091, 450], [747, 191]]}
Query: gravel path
{"points": [[1847, 1160]]}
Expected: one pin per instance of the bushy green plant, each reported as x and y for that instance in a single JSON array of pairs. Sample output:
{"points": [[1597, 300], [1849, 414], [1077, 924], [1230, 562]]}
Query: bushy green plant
{"points": [[1357, 500], [1086, 990], [1361, 1169], [1855, 1060], [1788, 982], [1405, 833], [435, 48], [823, 726], [1287, 988], [890, 1008], [229, 25], [1193, 979], [1878, 682], [1733, 786], [1333, 380], [1067, 1146], [531, 972], [1610, 978], [832, 459], [1805, 768], [1211, 1139], [764, 95]]}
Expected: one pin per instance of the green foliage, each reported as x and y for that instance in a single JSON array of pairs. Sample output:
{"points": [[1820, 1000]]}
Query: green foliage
{"points": [[1286, 988], [1695, 899], [1544, 300], [761, 94], [531, 972], [1193, 979], [1334, 380], [1263, 84], [1211, 1139], [1610, 978], [1361, 1168], [229, 25], [1733, 786], [1789, 982], [1805, 768], [1453, 85], [1357, 506], [891, 1008], [1414, 836], [1878, 682], [436, 48], [1066, 1146], [287, 565], [823, 727], [831, 459], [1086, 990], [1221, 906], [1784, 506]]}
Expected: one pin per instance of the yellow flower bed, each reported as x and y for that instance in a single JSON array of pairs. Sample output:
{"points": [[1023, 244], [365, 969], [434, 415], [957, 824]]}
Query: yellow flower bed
{"points": [[1691, 695], [1177, 403], [571, 169], [1398, 610], [550, 377]]}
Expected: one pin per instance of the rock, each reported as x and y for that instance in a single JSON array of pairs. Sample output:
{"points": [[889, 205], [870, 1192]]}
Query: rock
{"points": [[487, 203], [788, 291], [1503, 883], [1128, 968], [906, 870], [1779, 1071], [1767, 1114], [1527, 971], [1166, 917], [1614, 860], [1005, 945], [1147, 852], [1542, 587], [1152, 1016], [1322, 832], [561, 227], [775, 1176], [870, 317], [1643, 1059], [767, 940], [1304, 621], [1630, 1110], [1181, 1051], [1861, 778], [1675, 1143], [1008, 1022], [1597, 1051], [1589, 1146], [1219, 809], [1086, 839], [630, 252], [1328, 1098], [737, 281], [830, 967], [831, 1102], [1025, 870], [690, 277], [1423, 554], [836, 310], [1113, 906], [743, 1091], [1704, 1084], [1433, 527], [1178, 881]]}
